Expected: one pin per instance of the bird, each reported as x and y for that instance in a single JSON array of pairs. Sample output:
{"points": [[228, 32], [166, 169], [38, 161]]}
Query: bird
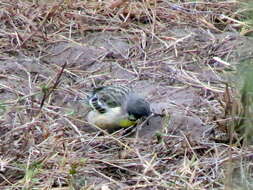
{"points": [[116, 106]]}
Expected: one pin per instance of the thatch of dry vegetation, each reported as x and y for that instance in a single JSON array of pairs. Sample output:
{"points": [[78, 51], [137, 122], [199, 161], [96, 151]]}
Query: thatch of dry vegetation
{"points": [[178, 54]]}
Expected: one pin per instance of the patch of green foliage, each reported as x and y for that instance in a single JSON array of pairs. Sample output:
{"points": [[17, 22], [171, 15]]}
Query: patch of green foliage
{"points": [[245, 124], [247, 13]]}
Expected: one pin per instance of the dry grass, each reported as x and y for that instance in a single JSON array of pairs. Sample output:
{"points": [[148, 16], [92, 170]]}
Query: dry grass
{"points": [[43, 144]]}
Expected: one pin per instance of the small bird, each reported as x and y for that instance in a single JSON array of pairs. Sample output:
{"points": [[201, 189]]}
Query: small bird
{"points": [[116, 106]]}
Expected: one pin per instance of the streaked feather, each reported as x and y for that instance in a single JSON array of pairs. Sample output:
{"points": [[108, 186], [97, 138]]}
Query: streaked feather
{"points": [[107, 97]]}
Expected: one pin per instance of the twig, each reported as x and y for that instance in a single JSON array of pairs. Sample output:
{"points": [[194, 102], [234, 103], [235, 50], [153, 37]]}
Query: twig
{"points": [[47, 94]]}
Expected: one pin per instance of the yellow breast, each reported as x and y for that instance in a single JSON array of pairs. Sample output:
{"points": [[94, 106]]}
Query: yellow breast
{"points": [[113, 118]]}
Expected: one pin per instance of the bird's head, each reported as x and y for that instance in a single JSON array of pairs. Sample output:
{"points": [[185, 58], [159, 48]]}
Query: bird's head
{"points": [[137, 107]]}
